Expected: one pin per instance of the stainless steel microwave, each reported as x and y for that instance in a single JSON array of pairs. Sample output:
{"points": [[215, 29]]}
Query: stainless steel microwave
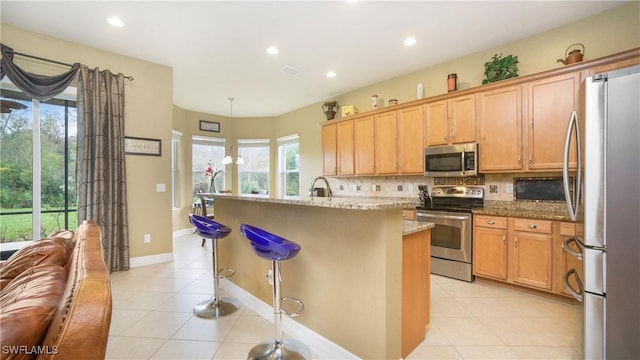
{"points": [[451, 160]]}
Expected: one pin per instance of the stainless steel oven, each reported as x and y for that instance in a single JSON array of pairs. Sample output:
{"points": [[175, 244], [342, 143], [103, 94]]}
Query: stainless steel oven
{"points": [[451, 238]]}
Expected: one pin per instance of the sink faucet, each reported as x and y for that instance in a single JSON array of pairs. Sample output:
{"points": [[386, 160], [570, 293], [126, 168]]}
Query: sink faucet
{"points": [[329, 193]]}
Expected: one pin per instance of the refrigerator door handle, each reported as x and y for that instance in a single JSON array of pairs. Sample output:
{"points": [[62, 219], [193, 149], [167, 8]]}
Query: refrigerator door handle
{"points": [[577, 254], [572, 202], [577, 294]]}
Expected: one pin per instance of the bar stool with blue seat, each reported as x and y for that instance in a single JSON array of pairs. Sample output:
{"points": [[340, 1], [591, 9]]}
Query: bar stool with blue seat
{"points": [[217, 306], [274, 248]]}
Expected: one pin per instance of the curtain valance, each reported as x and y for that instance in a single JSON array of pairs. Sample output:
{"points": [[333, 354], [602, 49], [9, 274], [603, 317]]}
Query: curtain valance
{"points": [[39, 87]]}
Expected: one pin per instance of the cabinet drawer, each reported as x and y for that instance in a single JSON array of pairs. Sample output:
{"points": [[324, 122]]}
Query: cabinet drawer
{"points": [[496, 222], [532, 225], [408, 214], [567, 229]]}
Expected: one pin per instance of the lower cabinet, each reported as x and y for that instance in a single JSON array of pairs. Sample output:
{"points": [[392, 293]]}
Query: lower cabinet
{"points": [[521, 251]]}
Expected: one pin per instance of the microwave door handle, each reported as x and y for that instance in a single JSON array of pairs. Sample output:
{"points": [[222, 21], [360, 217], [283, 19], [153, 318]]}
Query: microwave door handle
{"points": [[462, 162], [577, 294]]}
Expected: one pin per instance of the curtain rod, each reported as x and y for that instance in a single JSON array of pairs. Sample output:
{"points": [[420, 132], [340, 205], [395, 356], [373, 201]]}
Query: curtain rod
{"points": [[128, 77]]}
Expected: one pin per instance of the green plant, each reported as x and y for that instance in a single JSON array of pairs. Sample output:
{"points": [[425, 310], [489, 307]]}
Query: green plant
{"points": [[330, 105], [500, 68]]}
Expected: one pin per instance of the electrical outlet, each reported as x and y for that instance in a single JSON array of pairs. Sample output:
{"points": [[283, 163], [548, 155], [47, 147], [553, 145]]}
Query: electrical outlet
{"points": [[509, 188], [358, 187], [377, 188], [399, 187], [341, 187], [147, 238]]}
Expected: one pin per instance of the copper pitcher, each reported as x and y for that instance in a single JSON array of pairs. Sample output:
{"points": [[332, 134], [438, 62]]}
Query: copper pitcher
{"points": [[572, 56]]}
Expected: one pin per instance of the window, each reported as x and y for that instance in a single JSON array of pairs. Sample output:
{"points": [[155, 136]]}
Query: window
{"points": [[176, 138], [37, 185], [205, 150], [253, 176], [288, 168]]}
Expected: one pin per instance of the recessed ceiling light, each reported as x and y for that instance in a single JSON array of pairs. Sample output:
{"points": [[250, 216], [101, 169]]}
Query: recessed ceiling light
{"points": [[115, 21], [409, 41], [272, 50], [331, 74]]}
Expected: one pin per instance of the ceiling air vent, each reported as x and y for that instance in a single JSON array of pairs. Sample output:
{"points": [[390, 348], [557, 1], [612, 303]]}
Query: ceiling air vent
{"points": [[290, 70]]}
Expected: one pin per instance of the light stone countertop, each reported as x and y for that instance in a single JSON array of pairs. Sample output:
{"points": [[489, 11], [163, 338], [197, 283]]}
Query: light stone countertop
{"points": [[410, 226], [353, 203]]}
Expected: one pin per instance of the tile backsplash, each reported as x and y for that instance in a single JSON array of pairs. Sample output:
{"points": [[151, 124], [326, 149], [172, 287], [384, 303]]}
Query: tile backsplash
{"points": [[498, 187]]}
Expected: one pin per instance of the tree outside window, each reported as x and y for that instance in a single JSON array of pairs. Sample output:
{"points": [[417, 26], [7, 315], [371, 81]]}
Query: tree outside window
{"points": [[253, 175], [288, 167]]}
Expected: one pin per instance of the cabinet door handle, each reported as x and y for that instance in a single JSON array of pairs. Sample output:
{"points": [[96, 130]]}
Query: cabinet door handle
{"points": [[491, 222], [453, 135], [504, 238], [533, 226], [519, 159], [516, 241], [530, 159]]}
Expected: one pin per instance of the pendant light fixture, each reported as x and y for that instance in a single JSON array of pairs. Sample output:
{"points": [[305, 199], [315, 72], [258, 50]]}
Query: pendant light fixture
{"points": [[229, 158]]}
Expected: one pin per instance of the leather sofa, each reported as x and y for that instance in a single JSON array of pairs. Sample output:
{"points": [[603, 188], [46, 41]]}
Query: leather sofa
{"points": [[55, 298]]}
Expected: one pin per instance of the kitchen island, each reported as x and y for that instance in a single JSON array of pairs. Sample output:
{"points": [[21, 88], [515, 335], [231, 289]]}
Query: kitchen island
{"points": [[350, 271]]}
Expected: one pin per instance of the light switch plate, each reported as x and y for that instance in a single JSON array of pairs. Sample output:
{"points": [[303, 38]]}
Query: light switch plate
{"points": [[161, 188]]}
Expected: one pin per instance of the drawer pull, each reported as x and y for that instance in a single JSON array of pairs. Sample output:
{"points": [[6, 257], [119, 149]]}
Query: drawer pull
{"points": [[533, 226], [491, 222]]}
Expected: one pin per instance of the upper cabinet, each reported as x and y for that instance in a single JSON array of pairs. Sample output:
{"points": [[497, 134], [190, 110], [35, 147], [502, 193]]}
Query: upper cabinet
{"points": [[550, 103], [451, 121], [410, 140], [329, 142], [500, 129], [364, 133], [386, 142], [344, 146]]}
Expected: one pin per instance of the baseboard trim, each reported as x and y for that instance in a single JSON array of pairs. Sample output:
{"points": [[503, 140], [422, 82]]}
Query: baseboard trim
{"points": [[319, 345], [150, 260]]}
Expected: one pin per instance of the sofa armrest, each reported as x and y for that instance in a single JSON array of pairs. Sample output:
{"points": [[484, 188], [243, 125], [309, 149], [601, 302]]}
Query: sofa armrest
{"points": [[80, 326]]}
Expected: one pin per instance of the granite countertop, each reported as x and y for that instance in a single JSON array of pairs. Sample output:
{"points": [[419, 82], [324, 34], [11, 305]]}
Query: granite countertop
{"points": [[354, 203], [525, 209], [410, 226]]}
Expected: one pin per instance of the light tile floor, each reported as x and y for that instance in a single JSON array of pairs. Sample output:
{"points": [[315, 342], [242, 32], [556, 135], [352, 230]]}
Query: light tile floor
{"points": [[153, 317]]}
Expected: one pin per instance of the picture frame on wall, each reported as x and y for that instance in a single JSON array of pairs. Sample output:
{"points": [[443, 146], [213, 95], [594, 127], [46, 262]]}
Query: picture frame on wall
{"points": [[142, 146], [209, 126]]}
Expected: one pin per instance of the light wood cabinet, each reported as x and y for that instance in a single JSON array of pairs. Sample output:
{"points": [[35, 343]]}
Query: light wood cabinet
{"points": [[410, 140], [344, 146], [513, 250], [499, 118], [490, 247], [415, 289], [364, 132], [564, 261], [550, 103], [386, 142], [531, 259], [451, 121], [329, 149]]}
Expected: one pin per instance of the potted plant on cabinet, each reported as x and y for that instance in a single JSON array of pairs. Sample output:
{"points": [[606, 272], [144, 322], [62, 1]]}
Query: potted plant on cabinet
{"points": [[330, 108], [500, 68]]}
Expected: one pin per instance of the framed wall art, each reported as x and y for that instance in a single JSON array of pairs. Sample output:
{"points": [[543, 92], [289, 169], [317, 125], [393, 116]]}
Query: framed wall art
{"points": [[209, 126], [142, 146]]}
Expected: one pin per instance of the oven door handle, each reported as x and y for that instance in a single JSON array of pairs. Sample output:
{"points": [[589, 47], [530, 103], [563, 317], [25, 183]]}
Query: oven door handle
{"points": [[448, 217]]}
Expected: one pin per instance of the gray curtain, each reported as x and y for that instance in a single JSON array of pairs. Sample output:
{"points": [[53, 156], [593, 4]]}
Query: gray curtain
{"points": [[101, 173], [39, 87]]}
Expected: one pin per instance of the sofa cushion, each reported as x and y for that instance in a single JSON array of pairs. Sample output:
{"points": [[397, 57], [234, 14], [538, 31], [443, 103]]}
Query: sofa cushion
{"points": [[54, 250], [27, 305]]}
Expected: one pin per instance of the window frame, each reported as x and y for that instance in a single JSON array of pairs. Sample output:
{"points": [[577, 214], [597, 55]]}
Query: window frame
{"points": [[207, 141], [254, 143], [281, 180]]}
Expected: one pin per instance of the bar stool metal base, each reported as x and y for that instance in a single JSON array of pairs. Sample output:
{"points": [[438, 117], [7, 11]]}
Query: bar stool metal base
{"points": [[288, 349], [211, 309]]}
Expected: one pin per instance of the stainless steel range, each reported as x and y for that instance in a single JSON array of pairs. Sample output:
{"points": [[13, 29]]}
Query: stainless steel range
{"points": [[449, 207]]}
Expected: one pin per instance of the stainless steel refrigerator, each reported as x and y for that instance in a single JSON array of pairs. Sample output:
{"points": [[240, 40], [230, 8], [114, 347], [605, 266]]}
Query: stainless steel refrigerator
{"points": [[606, 198]]}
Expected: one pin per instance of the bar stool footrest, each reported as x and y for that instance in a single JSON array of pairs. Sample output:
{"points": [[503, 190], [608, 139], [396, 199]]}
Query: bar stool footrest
{"points": [[291, 299], [288, 349]]}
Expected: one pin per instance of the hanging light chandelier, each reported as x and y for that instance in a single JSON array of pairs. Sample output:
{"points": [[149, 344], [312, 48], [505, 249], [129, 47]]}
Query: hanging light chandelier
{"points": [[229, 158]]}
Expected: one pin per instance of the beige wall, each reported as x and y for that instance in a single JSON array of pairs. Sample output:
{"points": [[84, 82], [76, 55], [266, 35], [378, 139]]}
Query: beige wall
{"points": [[148, 114], [149, 110]]}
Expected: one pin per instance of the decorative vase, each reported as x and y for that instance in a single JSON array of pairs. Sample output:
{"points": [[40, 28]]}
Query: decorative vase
{"points": [[330, 114]]}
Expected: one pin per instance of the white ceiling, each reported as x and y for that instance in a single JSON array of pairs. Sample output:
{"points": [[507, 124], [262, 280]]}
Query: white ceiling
{"points": [[217, 48]]}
